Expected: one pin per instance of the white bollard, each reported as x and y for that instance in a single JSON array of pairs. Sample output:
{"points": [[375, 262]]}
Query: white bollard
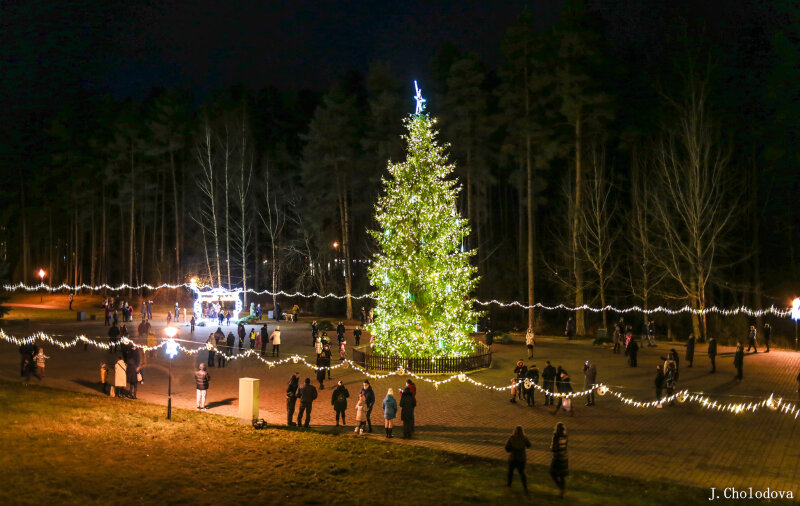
{"points": [[248, 400]]}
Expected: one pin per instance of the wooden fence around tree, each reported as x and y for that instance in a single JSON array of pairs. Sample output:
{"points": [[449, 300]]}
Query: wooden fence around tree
{"points": [[363, 356]]}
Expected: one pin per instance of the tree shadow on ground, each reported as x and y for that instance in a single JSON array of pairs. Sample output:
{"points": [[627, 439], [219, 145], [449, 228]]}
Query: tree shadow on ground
{"points": [[223, 402]]}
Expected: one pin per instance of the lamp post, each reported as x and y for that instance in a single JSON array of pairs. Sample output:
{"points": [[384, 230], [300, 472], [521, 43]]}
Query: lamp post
{"points": [[172, 350], [795, 317], [41, 278]]}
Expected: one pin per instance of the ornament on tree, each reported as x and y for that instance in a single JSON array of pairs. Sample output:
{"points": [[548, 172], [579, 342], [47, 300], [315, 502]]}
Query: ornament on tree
{"points": [[462, 377]]}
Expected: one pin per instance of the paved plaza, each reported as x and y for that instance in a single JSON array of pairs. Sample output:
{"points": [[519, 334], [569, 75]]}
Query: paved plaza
{"points": [[685, 444]]}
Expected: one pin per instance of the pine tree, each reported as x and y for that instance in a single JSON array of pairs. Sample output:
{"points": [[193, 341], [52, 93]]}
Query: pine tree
{"points": [[422, 275]]}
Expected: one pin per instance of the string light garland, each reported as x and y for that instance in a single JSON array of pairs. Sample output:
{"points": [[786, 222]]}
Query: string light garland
{"points": [[770, 403], [755, 313]]}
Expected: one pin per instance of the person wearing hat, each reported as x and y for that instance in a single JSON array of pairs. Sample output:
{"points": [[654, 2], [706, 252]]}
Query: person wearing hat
{"points": [[339, 401], [275, 337]]}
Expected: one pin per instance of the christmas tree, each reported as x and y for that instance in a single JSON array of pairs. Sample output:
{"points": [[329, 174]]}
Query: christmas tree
{"points": [[422, 274]]}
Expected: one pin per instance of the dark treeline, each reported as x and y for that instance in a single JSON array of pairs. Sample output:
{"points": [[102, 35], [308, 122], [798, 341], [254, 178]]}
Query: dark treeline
{"points": [[634, 153]]}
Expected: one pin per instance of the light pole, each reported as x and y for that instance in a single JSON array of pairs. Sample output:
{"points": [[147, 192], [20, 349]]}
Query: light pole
{"points": [[172, 350], [41, 277], [795, 317]]}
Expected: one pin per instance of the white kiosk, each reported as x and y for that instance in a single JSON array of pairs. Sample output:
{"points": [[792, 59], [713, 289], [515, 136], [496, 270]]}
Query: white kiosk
{"points": [[215, 296]]}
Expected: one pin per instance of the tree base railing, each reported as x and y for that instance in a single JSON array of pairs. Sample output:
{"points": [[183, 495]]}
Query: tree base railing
{"points": [[366, 358]]}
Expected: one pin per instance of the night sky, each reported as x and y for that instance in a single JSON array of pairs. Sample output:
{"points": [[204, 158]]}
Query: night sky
{"points": [[50, 49]]}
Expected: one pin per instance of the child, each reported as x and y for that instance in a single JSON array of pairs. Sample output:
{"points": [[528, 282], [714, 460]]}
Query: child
{"points": [[361, 407], [318, 346], [342, 350], [39, 359], [103, 376], [514, 390]]}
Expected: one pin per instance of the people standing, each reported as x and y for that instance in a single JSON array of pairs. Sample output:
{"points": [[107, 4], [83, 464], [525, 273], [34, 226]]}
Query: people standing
{"points": [[564, 387], [144, 310], [659, 382], [738, 360], [389, 411], [230, 342], [321, 371], [670, 379], [363, 316], [307, 394], [291, 398], [589, 380], [361, 409], [767, 331], [40, 359], [120, 377], [103, 377], [632, 351], [690, 349], [559, 465], [264, 333], [712, 353], [516, 446], [219, 341], [113, 338], [240, 330], [519, 371], [407, 405], [340, 331], [201, 379], [569, 330], [357, 335], [651, 334], [751, 339], [276, 342], [314, 332], [339, 401], [192, 323], [548, 380], [530, 339], [252, 338], [369, 398], [71, 298], [532, 377], [133, 370], [326, 354], [211, 344]]}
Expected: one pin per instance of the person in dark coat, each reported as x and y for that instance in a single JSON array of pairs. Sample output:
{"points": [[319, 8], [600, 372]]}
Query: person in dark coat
{"points": [[712, 353], [339, 401], [559, 465], [738, 361], [212, 352], [369, 397], [230, 341], [564, 385], [532, 375], [314, 332], [548, 380], [133, 362], [569, 330], [633, 352], [516, 445], [306, 393], [277, 314], [357, 335], [340, 332], [677, 360], [291, 398], [589, 380], [407, 405], [767, 332], [113, 338], [264, 334], [690, 349], [242, 332], [321, 364], [326, 353], [751, 339], [659, 382], [519, 371], [670, 379], [410, 386]]}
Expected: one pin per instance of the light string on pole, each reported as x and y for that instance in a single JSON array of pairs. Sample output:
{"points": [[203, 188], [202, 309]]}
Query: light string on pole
{"points": [[755, 313], [771, 403]]}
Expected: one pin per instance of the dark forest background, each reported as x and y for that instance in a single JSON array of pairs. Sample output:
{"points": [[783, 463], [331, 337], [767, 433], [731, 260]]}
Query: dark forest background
{"points": [[652, 146]]}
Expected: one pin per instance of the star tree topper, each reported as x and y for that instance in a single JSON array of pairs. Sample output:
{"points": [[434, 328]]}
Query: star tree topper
{"points": [[420, 101]]}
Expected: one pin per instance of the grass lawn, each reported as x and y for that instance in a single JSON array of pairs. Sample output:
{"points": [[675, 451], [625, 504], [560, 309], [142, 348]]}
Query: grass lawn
{"points": [[63, 447]]}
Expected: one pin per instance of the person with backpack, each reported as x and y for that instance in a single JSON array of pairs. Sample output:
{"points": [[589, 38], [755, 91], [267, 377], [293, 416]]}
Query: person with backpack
{"points": [[516, 445], [339, 401], [307, 394]]}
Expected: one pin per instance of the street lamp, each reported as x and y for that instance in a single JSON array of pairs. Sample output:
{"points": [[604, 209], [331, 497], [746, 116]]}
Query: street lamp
{"points": [[41, 277], [795, 317], [172, 350]]}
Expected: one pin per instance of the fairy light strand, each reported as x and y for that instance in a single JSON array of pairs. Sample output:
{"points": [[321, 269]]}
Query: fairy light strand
{"points": [[771, 403]]}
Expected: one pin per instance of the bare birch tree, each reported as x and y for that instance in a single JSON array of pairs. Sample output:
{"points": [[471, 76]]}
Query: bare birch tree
{"points": [[273, 218], [207, 183], [696, 207]]}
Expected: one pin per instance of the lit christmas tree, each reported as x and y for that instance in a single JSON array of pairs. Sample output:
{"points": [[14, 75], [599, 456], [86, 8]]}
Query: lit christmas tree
{"points": [[422, 275]]}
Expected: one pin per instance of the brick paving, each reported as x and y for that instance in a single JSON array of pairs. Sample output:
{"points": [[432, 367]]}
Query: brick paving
{"points": [[685, 444]]}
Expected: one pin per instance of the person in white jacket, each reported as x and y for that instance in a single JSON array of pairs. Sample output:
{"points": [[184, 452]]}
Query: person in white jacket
{"points": [[275, 337], [529, 342]]}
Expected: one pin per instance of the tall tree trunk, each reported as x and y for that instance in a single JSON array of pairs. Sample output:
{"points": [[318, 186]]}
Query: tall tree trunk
{"points": [[93, 249], [102, 275], [345, 224], [24, 217], [227, 212], [176, 224], [529, 215], [205, 250], [50, 272], [256, 257], [133, 219], [580, 324]]}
